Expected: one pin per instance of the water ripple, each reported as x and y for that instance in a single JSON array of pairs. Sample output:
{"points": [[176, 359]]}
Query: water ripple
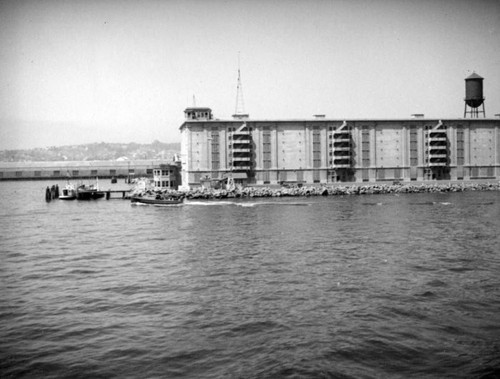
{"points": [[344, 287]]}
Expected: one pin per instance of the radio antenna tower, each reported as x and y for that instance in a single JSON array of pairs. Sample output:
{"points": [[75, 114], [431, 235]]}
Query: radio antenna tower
{"points": [[239, 111]]}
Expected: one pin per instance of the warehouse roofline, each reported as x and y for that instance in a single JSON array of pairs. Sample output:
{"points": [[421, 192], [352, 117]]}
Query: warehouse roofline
{"points": [[325, 120]]}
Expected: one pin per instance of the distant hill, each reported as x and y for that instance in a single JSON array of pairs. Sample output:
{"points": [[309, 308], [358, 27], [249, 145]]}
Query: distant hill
{"points": [[94, 152]]}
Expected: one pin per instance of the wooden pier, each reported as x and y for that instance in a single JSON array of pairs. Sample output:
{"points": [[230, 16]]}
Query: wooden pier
{"points": [[110, 194]]}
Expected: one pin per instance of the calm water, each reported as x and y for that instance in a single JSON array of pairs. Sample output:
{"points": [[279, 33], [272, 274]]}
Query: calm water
{"points": [[372, 286]]}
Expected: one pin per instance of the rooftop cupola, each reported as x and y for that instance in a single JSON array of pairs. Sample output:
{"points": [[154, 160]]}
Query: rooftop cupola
{"points": [[198, 113]]}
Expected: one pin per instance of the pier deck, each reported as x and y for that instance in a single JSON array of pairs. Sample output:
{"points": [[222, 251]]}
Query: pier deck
{"points": [[115, 194]]}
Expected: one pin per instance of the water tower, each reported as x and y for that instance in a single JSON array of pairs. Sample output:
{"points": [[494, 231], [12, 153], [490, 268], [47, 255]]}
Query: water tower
{"points": [[474, 96]]}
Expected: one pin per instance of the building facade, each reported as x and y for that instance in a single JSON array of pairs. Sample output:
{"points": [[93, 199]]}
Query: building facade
{"points": [[166, 176], [321, 150]]}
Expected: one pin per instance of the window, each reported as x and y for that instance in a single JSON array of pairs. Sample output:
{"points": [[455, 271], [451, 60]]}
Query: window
{"points": [[215, 149], [365, 175], [75, 173], [283, 176], [413, 146], [365, 147], [460, 146], [38, 173], [380, 174], [316, 148], [93, 172], [316, 176], [300, 176], [266, 177], [266, 149], [112, 172]]}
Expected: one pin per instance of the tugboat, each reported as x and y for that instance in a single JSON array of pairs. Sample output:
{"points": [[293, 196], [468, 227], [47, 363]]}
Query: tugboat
{"points": [[157, 200], [89, 192], [68, 192]]}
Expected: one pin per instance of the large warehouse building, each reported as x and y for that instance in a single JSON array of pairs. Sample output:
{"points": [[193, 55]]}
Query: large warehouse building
{"points": [[327, 151], [322, 150]]}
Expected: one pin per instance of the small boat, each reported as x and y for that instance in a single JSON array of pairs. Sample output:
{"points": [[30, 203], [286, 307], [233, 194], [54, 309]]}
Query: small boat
{"points": [[68, 192], [89, 192], [156, 200]]}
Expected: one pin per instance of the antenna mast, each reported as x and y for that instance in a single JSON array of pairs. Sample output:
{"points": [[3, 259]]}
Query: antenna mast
{"points": [[239, 111]]}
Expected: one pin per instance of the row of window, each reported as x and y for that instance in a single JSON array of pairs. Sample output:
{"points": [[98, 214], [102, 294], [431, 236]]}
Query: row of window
{"points": [[196, 115], [163, 172], [317, 154], [330, 128], [367, 174], [316, 145], [165, 183], [73, 173], [346, 128]]}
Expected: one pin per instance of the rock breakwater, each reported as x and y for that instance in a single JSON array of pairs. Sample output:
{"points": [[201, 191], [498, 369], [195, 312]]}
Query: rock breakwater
{"points": [[336, 190]]}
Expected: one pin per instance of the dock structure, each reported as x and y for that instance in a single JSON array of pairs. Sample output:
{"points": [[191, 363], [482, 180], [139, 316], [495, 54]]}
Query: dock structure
{"points": [[121, 194], [123, 170]]}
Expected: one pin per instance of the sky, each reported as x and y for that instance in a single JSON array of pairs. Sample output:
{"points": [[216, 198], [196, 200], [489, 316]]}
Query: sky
{"points": [[86, 71]]}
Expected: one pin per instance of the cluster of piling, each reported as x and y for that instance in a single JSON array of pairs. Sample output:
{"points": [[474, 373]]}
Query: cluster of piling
{"points": [[51, 193], [335, 190]]}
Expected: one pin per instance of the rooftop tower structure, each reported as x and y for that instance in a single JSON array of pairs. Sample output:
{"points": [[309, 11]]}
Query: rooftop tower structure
{"points": [[239, 112], [474, 98], [198, 113]]}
